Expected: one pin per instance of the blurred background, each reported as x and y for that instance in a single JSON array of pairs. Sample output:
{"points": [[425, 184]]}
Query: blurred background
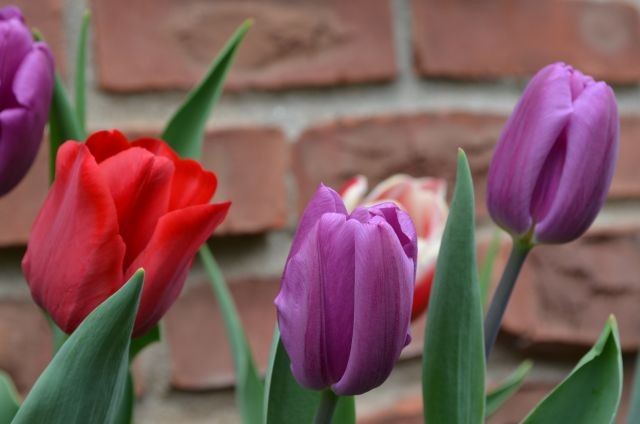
{"points": [[321, 91]]}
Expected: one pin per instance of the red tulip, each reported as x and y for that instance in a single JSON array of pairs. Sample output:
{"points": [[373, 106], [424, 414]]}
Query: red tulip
{"points": [[114, 207], [424, 200]]}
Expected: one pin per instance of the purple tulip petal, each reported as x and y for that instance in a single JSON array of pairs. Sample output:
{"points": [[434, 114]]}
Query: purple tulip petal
{"points": [[16, 151], [383, 295], [11, 12], [33, 81], [587, 161], [15, 44], [528, 138]]}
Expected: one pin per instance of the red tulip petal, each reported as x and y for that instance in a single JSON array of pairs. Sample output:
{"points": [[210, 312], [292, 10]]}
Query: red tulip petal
{"points": [[157, 147], [140, 185], [168, 256], [104, 144], [191, 185], [75, 253]]}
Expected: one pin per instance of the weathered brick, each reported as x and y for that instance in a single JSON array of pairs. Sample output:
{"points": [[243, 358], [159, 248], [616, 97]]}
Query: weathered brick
{"points": [[489, 39], [47, 17], [566, 292], [25, 341], [292, 44], [200, 355], [250, 163]]}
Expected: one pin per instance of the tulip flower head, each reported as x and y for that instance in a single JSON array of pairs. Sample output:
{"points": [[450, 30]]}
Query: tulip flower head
{"points": [[26, 86], [554, 161], [344, 305], [424, 199], [116, 206]]}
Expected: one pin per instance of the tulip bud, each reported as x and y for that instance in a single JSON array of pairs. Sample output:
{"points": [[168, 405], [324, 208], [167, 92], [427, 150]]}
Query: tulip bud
{"points": [[554, 161], [113, 208], [26, 85], [424, 199], [345, 301]]}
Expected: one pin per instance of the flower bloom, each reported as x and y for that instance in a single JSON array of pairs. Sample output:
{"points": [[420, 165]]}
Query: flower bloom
{"points": [[114, 207], [554, 161], [26, 85], [424, 199], [345, 300]]}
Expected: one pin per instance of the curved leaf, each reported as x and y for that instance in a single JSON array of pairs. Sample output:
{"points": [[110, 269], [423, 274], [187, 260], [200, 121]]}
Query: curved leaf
{"points": [[507, 388], [591, 393], [453, 367], [9, 399]]}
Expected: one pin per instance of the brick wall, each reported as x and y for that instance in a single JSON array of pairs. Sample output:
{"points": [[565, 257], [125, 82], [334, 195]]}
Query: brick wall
{"points": [[322, 90]]}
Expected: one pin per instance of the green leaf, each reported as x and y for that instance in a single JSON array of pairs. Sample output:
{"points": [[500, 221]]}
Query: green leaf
{"points": [[140, 342], [507, 388], [634, 407], [85, 381], [80, 79], [453, 368], [9, 399], [286, 402], [591, 393], [63, 123], [486, 271], [249, 387], [185, 130]]}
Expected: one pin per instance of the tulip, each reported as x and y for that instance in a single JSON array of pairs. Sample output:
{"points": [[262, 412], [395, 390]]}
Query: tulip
{"points": [[26, 86], [344, 305], [554, 161], [424, 199], [116, 206]]}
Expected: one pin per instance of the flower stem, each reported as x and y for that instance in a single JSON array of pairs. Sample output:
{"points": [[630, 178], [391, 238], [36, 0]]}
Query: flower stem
{"points": [[519, 252], [327, 405]]}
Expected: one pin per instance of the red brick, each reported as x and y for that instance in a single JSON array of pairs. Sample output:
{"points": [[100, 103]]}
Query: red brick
{"points": [[495, 38], [200, 355], [47, 17], [421, 144], [292, 44], [566, 292], [251, 164], [25, 341]]}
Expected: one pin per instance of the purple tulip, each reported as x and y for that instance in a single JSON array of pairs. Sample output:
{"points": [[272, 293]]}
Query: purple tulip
{"points": [[345, 302], [26, 85], [554, 161]]}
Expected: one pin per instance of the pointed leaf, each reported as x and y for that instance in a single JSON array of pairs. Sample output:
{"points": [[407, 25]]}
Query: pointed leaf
{"points": [[9, 399], [591, 393], [63, 123], [286, 402], [507, 388], [80, 79], [249, 387], [453, 362], [86, 380], [185, 130]]}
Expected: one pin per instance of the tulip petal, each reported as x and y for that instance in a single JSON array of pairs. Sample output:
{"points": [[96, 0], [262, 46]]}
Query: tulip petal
{"points": [[315, 303], [168, 256], [325, 200], [33, 83], [384, 278], [157, 147], [191, 185], [587, 167], [104, 144], [15, 44], [140, 186], [74, 256], [528, 137], [18, 148]]}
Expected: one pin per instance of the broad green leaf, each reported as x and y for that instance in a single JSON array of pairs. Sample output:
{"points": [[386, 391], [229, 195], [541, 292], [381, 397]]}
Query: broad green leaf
{"points": [[286, 402], [486, 270], [249, 387], [80, 79], [185, 130], [453, 368], [507, 388], [9, 399], [63, 123], [634, 407], [127, 403], [591, 393], [85, 381]]}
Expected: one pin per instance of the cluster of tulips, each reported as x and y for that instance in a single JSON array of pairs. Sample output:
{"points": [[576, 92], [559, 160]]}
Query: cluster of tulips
{"points": [[114, 241]]}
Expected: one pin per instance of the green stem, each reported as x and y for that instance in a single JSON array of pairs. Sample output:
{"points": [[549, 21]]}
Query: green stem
{"points": [[501, 297], [327, 406]]}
